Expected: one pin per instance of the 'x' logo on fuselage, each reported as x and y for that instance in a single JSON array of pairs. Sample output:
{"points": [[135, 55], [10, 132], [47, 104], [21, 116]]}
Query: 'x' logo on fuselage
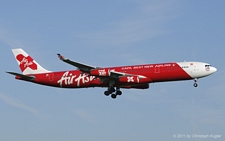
{"points": [[130, 79]]}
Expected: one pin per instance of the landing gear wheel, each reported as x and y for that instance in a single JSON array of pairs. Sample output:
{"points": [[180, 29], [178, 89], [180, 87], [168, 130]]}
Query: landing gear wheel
{"points": [[111, 90], [118, 93], [195, 85], [113, 96], [107, 93]]}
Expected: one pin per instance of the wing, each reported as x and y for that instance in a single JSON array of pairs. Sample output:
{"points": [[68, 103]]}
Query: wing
{"points": [[105, 74], [80, 66], [117, 74]]}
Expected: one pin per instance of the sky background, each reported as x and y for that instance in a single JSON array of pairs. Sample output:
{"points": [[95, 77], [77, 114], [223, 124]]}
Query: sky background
{"points": [[112, 33]]}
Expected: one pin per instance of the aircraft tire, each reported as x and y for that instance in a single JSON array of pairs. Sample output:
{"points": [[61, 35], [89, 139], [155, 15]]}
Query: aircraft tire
{"points": [[113, 96], [195, 85], [118, 93], [107, 93]]}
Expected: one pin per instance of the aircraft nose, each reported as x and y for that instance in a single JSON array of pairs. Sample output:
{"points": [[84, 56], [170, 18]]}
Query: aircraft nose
{"points": [[213, 69]]}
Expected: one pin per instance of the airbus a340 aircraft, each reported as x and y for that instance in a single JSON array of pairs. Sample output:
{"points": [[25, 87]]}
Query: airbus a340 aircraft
{"points": [[113, 78]]}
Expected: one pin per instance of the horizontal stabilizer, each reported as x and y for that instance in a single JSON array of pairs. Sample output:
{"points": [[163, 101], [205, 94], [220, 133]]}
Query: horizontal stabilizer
{"points": [[22, 76]]}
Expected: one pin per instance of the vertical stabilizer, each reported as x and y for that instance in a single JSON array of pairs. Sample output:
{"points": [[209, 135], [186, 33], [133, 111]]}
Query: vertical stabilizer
{"points": [[26, 63]]}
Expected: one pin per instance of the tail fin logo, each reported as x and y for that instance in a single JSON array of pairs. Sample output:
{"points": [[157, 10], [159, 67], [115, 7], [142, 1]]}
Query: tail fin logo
{"points": [[26, 62]]}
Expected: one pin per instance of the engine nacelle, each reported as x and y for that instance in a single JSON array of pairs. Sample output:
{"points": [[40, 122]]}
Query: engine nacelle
{"points": [[100, 72], [138, 86], [134, 79]]}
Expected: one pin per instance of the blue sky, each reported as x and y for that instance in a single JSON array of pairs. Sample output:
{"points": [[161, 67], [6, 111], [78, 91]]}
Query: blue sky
{"points": [[106, 33]]}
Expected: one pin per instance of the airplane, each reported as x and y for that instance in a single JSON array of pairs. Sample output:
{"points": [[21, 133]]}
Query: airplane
{"points": [[112, 78]]}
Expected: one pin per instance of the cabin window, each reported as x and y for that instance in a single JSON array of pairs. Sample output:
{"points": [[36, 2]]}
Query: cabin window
{"points": [[185, 67]]}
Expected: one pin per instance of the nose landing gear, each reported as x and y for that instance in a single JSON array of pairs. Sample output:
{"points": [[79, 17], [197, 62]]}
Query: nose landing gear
{"points": [[195, 84]]}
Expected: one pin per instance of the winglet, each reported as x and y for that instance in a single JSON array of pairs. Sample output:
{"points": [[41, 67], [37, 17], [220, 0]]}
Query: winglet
{"points": [[61, 57]]}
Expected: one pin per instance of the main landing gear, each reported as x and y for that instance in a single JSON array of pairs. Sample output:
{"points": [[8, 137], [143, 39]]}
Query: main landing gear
{"points": [[195, 84], [111, 91]]}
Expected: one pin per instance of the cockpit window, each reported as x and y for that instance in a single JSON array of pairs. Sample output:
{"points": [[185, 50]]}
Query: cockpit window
{"points": [[207, 67]]}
